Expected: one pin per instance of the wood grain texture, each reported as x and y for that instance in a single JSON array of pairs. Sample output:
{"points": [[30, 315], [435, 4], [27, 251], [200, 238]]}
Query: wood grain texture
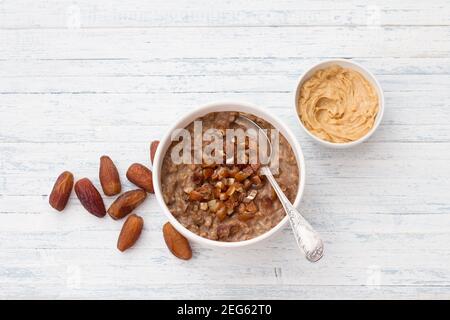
{"points": [[79, 79]]}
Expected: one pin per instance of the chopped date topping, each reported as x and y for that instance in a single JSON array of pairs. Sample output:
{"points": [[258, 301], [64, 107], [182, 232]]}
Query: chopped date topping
{"points": [[245, 216], [195, 196], [212, 205], [232, 202], [251, 207], [231, 190], [251, 196], [233, 171], [220, 185], [223, 196], [205, 190], [239, 187], [221, 212], [207, 173], [216, 193], [230, 181], [223, 173], [244, 174], [204, 206], [188, 189], [241, 208], [226, 190], [247, 184]]}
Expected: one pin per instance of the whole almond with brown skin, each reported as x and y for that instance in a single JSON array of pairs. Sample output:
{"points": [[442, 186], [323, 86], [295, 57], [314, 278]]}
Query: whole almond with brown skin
{"points": [[153, 148], [176, 243], [61, 191], [109, 177], [141, 176], [126, 203], [90, 198], [131, 230]]}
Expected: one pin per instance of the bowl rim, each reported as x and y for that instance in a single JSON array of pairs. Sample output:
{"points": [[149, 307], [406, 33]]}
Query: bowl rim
{"points": [[216, 106], [347, 63]]}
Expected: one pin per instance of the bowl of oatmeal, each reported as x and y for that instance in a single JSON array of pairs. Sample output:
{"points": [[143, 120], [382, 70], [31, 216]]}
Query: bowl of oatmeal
{"points": [[219, 198], [339, 103]]}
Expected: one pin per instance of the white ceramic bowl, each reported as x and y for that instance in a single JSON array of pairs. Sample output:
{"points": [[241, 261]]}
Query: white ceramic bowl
{"points": [[345, 64], [217, 107]]}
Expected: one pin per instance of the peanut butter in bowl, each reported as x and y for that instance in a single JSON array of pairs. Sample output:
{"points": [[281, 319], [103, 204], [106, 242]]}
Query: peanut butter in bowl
{"points": [[338, 104]]}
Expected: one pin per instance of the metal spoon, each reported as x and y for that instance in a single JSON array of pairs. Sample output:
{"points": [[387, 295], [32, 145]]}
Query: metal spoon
{"points": [[307, 238]]}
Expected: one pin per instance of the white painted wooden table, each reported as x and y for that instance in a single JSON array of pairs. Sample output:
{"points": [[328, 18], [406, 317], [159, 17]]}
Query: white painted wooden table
{"points": [[79, 79]]}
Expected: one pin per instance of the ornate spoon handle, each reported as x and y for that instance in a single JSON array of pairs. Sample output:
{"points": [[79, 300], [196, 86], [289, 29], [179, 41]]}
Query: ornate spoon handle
{"points": [[307, 238]]}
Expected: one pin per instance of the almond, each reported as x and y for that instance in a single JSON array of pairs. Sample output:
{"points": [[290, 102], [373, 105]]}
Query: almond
{"points": [[61, 191], [109, 177], [154, 145], [126, 203], [176, 243], [131, 230], [141, 176], [89, 197]]}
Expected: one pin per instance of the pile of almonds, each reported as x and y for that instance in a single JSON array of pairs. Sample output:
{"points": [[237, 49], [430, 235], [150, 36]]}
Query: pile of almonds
{"points": [[124, 204]]}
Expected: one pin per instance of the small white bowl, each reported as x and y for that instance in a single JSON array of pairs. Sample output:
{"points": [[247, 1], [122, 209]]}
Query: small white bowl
{"points": [[350, 65], [217, 107]]}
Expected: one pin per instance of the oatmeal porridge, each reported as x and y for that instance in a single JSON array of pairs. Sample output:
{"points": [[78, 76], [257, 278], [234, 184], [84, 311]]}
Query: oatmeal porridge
{"points": [[230, 201]]}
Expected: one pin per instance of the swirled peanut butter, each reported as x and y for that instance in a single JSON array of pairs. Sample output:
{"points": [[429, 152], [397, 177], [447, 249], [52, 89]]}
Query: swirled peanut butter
{"points": [[338, 104]]}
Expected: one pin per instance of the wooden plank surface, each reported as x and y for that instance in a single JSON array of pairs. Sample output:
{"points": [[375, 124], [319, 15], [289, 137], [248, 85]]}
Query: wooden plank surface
{"points": [[79, 79]]}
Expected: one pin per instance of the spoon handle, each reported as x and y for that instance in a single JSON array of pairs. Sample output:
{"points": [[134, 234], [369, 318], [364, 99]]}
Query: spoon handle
{"points": [[307, 238]]}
